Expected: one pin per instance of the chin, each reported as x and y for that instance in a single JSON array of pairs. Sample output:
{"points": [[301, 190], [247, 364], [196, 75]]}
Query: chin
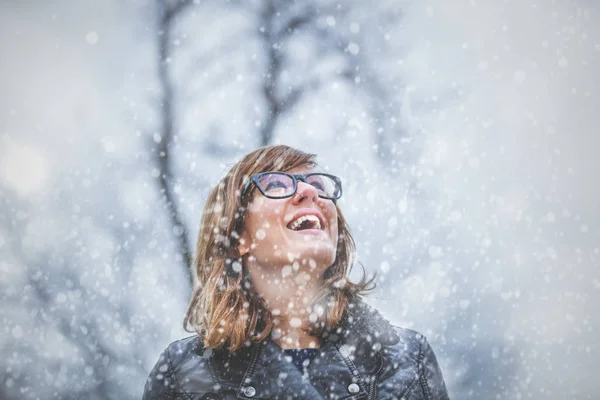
{"points": [[322, 254]]}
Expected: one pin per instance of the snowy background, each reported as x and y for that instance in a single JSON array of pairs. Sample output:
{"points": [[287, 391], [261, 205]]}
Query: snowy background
{"points": [[465, 133]]}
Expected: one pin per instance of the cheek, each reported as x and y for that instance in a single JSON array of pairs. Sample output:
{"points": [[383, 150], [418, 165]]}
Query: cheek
{"points": [[256, 205], [330, 214], [263, 215]]}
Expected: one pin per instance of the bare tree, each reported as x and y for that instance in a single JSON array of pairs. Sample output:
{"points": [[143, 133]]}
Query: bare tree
{"points": [[168, 11], [278, 23], [276, 27]]}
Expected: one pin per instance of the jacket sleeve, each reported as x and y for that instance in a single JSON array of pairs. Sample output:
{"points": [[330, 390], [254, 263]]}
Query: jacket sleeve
{"points": [[161, 383], [431, 378]]}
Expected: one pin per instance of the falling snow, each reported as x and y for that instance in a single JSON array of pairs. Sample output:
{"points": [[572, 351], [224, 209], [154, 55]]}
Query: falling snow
{"points": [[465, 136]]}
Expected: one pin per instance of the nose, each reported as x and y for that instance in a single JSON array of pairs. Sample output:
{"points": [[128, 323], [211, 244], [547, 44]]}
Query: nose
{"points": [[305, 191]]}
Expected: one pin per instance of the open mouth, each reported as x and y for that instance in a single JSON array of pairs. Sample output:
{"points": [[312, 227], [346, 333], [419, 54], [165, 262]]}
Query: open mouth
{"points": [[305, 222]]}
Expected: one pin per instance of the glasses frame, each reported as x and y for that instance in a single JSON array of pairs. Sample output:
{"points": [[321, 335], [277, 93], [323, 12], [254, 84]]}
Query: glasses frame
{"points": [[295, 178]]}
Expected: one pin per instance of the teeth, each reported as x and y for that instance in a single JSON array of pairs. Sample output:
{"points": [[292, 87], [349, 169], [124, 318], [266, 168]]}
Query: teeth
{"points": [[313, 218]]}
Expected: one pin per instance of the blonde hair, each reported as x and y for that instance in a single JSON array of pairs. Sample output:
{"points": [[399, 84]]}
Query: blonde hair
{"points": [[224, 309]]}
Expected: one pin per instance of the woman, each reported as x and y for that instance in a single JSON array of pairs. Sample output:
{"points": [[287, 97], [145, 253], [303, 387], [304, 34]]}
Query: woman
{"points": [[274, 312]]}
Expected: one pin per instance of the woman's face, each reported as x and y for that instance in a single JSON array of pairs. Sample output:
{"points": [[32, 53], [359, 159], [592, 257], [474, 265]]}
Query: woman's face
{"points": [[273, 237]]}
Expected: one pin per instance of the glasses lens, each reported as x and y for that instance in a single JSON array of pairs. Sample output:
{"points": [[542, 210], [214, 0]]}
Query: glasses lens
{"points": [[276, 184], [326, 185]]}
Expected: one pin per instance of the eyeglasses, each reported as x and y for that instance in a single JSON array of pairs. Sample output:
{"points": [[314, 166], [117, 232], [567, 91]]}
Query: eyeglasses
{"points": [[280, 185]]}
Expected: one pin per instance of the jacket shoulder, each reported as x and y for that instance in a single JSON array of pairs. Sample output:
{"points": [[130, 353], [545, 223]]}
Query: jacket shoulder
{"points": [[405, 351], [408, 339], [181, 368], [414, 362], [185, 350]]}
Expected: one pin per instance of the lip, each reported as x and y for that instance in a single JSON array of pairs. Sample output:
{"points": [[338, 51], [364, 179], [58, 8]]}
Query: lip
{"points": [[309, 232], [309, 211]]}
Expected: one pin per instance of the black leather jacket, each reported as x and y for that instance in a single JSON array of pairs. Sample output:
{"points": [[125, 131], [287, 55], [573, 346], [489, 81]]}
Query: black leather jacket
{"points": [[364, 358]]}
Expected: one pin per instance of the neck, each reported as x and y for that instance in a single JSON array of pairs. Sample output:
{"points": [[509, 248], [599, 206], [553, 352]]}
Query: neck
{"points": [[289, 292]]}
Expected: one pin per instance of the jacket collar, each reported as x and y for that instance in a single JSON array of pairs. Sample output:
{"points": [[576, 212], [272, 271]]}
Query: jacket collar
{"points": [[260, 370], [362, 322]]}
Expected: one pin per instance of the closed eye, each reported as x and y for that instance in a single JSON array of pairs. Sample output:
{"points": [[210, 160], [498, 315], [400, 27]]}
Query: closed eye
{"points": [[319, 186], [275, 185]]}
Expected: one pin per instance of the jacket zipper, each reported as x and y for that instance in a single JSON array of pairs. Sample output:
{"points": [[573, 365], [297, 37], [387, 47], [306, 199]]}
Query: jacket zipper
{"points": [[373, 385]]}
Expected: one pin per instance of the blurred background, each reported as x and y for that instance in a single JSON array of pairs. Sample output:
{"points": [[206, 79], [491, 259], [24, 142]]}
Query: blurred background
{"points": [[465, 133]]}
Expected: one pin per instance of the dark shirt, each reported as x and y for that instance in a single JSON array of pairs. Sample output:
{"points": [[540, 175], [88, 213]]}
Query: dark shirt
{"points": [[299, 356]]}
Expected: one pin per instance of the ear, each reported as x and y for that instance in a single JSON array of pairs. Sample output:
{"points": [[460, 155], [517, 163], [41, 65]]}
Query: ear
{"points": [[243, 246]]}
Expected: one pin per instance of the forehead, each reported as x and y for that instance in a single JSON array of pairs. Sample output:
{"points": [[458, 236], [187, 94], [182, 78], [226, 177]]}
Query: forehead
{"points": [[302, 169]]}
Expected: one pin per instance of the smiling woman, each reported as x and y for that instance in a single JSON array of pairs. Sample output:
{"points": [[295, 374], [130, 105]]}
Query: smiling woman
{"points": [[273, 311]]}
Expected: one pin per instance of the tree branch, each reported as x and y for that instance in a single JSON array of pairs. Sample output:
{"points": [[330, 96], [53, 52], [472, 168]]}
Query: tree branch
{"points": [[273, 39], [166, 136]]}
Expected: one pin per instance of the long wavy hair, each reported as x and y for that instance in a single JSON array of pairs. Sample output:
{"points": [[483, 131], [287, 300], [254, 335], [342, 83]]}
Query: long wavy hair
{"points": [[225, 310]]}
